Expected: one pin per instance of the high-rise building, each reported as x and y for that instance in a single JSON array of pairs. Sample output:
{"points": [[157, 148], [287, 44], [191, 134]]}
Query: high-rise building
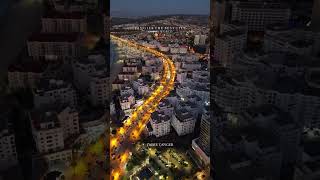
{"points": [[201, 145]]}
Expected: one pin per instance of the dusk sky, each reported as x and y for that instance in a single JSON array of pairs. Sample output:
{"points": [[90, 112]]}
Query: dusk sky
{"points": [[158, 7]]}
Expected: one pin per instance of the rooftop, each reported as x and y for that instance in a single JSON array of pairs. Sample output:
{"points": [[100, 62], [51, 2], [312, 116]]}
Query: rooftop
{"points": [[39, 117], [183, 115], [158, 117]]}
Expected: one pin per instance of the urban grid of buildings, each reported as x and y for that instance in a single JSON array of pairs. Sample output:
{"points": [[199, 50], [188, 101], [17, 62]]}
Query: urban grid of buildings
{"points": [[245, 102], [266, 94]]}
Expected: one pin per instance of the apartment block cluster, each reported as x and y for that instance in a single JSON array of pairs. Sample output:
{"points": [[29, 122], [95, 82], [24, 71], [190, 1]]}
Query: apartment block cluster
{"points": [[189, 101], [181, 109], [269, 95], [69, 82]]}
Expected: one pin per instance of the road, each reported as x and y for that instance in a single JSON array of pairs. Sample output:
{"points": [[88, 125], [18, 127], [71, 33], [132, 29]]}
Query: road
{"points": [[126, 136], [130, 132]]}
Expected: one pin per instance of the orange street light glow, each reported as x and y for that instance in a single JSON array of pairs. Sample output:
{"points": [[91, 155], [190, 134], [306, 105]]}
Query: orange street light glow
{"points": [[121, 131], [114, 142], [142, 113], [124, 157]]}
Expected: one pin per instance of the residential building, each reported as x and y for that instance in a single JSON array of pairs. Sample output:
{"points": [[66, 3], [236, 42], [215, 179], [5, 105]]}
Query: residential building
{"points": [[47, 132], [51, 91], [200, 40], [201, 145], [183, 122], [99, 89], [160, 123], [8, 151], [258, 14], [53, 46], [231, 41], [25, 74], [64, 22]]}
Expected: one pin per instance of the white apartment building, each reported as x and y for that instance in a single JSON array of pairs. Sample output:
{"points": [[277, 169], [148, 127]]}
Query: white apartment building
{"points": [[130, 69], [8, 152], [25, 74], [164, 48], [258, 14], [47, 132], [198, 85], [99, 89], [69, 120], [160, 124], [129, 76], [64, 22], [200, 39], [84, 69], [53, 46], [50, 128], [54, 91], [127, 90], [181, 77], [174, 48], [140, 87], [166, 108], [183, 122], [192, 107], [183, 49], [230, 42], [117, 84], [127, 101]]}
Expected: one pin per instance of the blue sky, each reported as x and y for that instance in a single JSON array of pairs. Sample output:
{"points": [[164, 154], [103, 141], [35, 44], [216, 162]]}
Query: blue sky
{"points": [[158, 7]]}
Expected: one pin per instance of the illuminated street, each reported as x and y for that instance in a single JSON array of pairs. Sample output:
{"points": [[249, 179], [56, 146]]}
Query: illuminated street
{"points": [[121, 143]]}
